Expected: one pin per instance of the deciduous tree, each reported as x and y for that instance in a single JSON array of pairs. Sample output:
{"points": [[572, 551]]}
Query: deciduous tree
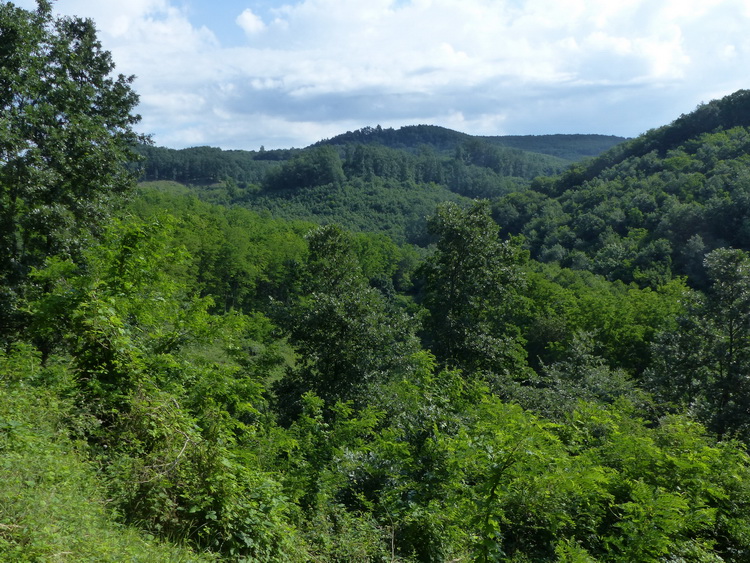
{"points": [[66, 130], [473, 284]]}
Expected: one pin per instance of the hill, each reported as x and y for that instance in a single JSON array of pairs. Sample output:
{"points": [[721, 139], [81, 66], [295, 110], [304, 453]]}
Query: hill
{"points": [[207, 165], [187, 381], [411, 137], [649, 208], [379, 180]]}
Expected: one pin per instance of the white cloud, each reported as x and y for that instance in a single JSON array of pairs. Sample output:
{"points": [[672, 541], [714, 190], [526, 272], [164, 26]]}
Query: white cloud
{"points": [[250, 23], [314, 68]]}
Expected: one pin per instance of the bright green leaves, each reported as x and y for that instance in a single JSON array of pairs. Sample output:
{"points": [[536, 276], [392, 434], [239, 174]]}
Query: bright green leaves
{"points": [[608, 484], [649, 521], [386, 454], [384, 451], [173, 394], [667, 485], [52, 504], [465, 476], [622, 320], [502, 453], [134, 310]]}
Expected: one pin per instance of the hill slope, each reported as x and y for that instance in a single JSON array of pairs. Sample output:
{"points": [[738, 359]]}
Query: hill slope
{"points": [[650, 207], [373, 179], [411, 137]]}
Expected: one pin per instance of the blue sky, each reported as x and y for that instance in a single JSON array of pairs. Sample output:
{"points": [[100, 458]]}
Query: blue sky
{"points": [[221, 16], [246, 73]]}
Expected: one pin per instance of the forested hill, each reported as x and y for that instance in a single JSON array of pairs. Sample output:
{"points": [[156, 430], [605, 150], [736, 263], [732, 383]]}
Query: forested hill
{"points": [[373, 179], [649, 208], [642, 211], [413, 137], [205, 165]]}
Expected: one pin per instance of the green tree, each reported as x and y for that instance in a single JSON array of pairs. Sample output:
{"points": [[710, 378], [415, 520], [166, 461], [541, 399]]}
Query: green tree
{"points": [[66, 131], [703, 363], [349, 337], [473, 283]]}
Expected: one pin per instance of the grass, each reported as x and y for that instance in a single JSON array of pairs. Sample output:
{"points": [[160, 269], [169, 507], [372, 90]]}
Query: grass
{"points": [[52, 507]]}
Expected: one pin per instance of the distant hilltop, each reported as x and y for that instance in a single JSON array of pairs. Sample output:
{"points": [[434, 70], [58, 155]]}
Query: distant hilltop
{"points": [[442, 139]]}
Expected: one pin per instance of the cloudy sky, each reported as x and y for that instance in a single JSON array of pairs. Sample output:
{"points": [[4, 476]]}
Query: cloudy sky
{"points": [[246, 73]]}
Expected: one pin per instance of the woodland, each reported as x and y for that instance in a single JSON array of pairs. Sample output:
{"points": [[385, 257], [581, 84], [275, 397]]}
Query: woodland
{"points": [[393, 345]]}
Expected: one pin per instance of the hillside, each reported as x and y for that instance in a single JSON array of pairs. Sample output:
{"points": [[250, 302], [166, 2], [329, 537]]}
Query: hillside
{"points": [[649, 208], [568, 147], [187, 379], [208, 165], [442, 140], [370, 180]]}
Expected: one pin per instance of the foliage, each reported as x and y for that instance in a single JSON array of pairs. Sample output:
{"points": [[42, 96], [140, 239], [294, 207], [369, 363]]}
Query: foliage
{"points": [[366, 180], [442, 140], [67, 131], [168, 397], [622, 321], [649, 208], [246, 388], [52, 507], [472, 291], [397, 209], [206, 165], [348, 335], [316, 167], [164, 434], [238, 258], [702, 362]]}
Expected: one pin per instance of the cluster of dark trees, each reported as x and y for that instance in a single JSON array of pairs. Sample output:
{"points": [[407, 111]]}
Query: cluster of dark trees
{"points": [[184, 380], [206, 165]]}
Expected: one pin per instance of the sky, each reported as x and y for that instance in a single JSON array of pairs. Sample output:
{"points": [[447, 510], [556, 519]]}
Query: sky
{"points": [[241, 74]]}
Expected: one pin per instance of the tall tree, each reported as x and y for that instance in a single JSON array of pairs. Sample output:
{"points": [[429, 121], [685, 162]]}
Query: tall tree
{"points": [[348, 335], [66, 131], [703, 364], [473, 284]]}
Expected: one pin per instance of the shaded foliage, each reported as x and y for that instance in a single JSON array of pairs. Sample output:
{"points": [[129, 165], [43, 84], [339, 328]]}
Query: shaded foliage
{"points": [[472, 292], [647, 209]]}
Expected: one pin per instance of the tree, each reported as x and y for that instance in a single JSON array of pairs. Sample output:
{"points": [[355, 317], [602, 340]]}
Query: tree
{"points": [[473, 284], [66, 131], [348, 335], [704, 363]]}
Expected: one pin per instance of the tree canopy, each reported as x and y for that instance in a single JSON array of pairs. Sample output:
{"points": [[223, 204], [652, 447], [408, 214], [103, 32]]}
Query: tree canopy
{"points": [[67, 131]]}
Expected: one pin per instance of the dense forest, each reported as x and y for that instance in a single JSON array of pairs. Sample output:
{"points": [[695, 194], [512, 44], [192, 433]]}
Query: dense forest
{"points": [[373, 180], [410, 345]]}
